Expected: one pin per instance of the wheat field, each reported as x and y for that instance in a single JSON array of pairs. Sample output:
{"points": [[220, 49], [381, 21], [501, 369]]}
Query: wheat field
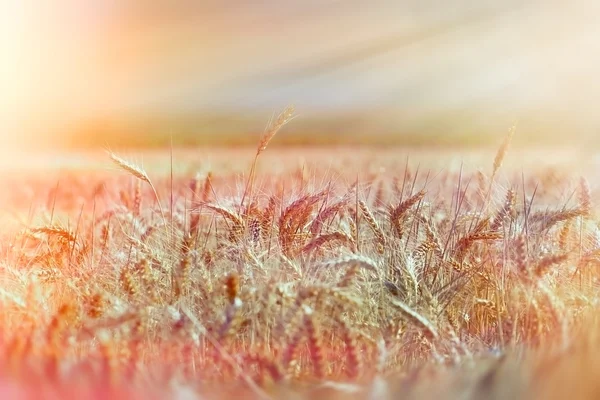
{"points": [[269, 273]]}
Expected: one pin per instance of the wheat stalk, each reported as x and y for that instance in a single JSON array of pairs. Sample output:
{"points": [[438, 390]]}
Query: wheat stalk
{"points": [[285, 117], [503, 150], [139, 173], [416, 318]]}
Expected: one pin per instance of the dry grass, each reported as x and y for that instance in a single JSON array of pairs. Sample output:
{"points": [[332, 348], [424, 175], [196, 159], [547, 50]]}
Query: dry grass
{"points": [[400, 284]]}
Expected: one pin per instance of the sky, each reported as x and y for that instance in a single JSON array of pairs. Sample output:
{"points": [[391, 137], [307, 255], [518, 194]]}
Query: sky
{"points": [[65, 62]]}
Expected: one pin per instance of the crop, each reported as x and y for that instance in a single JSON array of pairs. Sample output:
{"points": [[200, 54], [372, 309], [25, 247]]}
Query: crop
{"points": [[395, 284]]}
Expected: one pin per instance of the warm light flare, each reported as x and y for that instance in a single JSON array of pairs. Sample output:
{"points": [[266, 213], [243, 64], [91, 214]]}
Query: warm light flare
{"points": [[107, 67]]}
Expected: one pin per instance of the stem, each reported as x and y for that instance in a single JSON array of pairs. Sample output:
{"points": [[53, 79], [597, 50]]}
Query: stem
{"points": [[250, 180]]}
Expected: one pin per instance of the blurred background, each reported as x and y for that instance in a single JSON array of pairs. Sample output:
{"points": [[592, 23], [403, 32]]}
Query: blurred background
{"points": [[411, 72]]}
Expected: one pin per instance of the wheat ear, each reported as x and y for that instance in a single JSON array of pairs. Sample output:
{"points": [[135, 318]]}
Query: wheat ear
{"points": [[286, 116], [503, 150], [140, 174]]}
